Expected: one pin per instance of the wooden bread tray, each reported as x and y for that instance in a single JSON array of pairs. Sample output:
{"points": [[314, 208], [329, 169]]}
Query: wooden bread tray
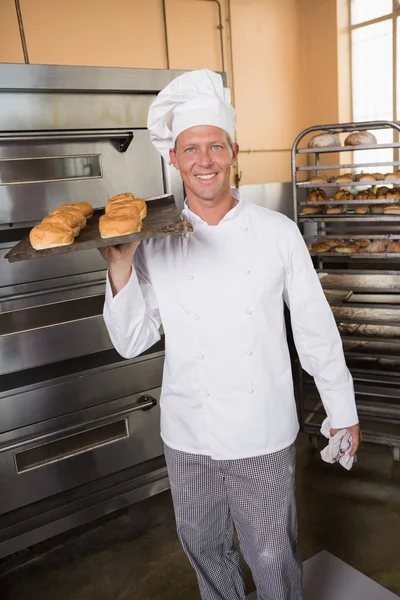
{"points": [[162, 220]]}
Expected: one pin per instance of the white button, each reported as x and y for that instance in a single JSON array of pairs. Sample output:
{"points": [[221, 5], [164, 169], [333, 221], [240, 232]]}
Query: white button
{"points": [[207, 394], [244, 228], [196, 317], [200, 356], [249, 353], [251, 390], [247, 272], [248, 312], [190, 277]]}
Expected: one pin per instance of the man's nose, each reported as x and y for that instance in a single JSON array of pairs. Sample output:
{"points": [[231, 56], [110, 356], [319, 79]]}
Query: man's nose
{"points": [[204, 158]]}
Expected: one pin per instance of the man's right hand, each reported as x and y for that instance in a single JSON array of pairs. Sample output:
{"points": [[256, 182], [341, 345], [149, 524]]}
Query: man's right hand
{"points": [[119, 259]]}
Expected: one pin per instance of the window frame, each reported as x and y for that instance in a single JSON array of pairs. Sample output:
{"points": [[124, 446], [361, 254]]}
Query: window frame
{"points": [[394, 15]]}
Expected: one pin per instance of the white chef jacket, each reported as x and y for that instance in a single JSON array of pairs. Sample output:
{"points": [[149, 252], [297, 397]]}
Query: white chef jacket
{"points": [[219, 293]]}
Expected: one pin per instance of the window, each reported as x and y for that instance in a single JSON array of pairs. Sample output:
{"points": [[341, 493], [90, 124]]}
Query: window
{"points": [[375, 44], [366, 10]]}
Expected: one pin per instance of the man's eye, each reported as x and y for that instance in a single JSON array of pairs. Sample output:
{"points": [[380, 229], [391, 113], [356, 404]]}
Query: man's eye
{"points": [[217, 147], [189, 150]]}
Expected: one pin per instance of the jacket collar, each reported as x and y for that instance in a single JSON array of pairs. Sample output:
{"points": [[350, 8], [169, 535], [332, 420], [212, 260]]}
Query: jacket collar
{"points": [[235, 213]]}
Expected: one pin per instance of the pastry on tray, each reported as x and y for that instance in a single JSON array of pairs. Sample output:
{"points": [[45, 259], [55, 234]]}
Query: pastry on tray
{"points": [[317, 195], [376, 247], [336, 210], [346, 178], [391, 210], [343, 195], [393, 194], [321, 179], [321, 247], [347, 248], [313, 210], [366, 195], [381, 192], [393, 246]]}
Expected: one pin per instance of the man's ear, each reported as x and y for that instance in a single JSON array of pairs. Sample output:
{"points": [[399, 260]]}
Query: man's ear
{"points": [[172, 158], [235, 152]]}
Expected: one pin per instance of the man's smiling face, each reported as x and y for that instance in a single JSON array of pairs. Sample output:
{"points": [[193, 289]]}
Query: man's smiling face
{"points": [[204, 155]]}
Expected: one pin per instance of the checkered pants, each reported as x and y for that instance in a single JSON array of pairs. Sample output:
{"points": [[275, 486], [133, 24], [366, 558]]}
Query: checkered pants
{"points": [[256, 497]]}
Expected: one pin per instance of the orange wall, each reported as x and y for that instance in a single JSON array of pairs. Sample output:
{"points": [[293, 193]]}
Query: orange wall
{"points": [[265, 76], [10, 41], [318, 62], [108, 33], [284, 55]]}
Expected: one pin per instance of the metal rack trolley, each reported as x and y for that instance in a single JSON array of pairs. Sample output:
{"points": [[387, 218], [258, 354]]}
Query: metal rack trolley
{"points": [[363, 289]]}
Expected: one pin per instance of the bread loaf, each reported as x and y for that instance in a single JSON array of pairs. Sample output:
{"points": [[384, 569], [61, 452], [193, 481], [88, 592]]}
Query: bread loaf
{"points": [[64, 220], [124, 209], [79, 216], [324, 140], [115, 226], [346, 178], [391, 210], [319, 179], [85, 207], [312, 210], [126, 200], [360, 138], [361, 210], [336, 210], [48, 235], [367, 178]]}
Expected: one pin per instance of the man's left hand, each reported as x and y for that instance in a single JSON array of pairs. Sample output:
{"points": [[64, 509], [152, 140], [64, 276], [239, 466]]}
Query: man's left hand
{"points": [[355, 433]]}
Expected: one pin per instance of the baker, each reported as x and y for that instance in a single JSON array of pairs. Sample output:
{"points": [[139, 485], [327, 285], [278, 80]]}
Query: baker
{"points": [[228, 414]]}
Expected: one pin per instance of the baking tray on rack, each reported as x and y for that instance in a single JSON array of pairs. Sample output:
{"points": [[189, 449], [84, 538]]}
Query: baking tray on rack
{"points": [[347, 148], [345, 184], [320, 217], [350, 203], [162, 220], [351, 255]]}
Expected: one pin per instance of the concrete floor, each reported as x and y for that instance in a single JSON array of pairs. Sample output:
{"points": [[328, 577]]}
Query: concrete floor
{"points": [[134, 555]]}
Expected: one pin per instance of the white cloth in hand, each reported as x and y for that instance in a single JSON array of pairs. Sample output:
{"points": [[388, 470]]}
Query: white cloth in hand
{"points": [[339, 447]]}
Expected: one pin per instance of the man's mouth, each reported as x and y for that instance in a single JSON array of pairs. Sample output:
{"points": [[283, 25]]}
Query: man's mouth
{"points": [[205, 177]]}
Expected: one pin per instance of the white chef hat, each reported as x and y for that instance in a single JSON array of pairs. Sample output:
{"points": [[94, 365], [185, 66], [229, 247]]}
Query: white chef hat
{"points": [[194, 98]]}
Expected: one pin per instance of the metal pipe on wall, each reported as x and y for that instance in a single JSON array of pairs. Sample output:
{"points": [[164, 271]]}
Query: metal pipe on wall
{"points": [[21, 31], [221, 35], [165, 32]]}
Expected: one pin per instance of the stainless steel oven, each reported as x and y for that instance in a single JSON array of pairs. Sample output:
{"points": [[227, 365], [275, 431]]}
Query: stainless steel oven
{"points": [[79, 426]]}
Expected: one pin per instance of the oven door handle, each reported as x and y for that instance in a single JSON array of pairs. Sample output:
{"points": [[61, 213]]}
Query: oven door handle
{"points": [[123, 136], [146, 402]]}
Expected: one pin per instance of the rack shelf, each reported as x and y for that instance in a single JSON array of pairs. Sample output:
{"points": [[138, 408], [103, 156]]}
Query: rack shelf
{"points": [[346, 148]]}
